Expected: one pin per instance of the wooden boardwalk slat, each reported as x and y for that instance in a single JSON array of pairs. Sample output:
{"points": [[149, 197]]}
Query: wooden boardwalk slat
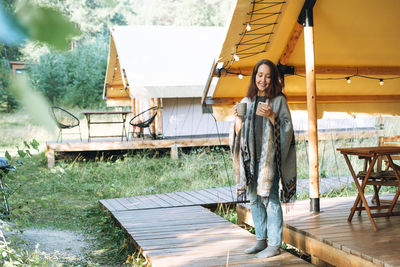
{"points": [[188, 235]]}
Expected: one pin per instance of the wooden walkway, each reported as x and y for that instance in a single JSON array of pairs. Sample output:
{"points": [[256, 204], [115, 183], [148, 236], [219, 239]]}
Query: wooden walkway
{"points": [[175, 229], [329, 237], [53, 147]]}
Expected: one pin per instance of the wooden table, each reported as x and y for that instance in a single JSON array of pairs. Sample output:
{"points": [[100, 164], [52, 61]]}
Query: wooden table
{"points": [[89, 114], [371, 155]]}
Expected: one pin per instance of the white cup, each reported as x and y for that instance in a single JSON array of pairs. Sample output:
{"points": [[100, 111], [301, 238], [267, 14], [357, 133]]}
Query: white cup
{"points": [[241, 109]]}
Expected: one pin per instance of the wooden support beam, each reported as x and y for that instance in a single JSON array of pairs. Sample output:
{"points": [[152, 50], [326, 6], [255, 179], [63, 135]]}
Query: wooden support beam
{"points": [[159, 117], [312, 112], [208, 83], [291, 44]]}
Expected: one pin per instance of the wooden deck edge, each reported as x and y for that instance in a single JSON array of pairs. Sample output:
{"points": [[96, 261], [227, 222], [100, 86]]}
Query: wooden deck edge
{"points": [[130, 238], [335, 255], [140, 144], [173, 144], [323, 251]]}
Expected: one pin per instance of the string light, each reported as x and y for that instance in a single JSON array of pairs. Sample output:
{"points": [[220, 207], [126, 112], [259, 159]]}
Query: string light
{"points": [[235, 57], [248, 27], [111, 88], [381, 80], [115, 68], [240, 76]]}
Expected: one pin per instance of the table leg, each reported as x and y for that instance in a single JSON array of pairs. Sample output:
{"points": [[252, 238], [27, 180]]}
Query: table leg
{"points": [[123, 128], [396, 172], [361, 190]]}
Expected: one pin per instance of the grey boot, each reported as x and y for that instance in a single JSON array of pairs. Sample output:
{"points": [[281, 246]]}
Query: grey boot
{"points": [[270, 251], [260, 245]]}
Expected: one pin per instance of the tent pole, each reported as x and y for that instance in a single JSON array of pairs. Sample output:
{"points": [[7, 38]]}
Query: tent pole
{"points": [[159, 117], [153, 112], [311, 108]]}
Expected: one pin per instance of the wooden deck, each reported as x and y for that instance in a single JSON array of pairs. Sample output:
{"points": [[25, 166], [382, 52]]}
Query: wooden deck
{"points": [[329, 237], [175, 229], [53, 147]]}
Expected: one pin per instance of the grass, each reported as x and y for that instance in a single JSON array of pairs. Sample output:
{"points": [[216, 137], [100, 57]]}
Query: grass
{"points": [[66, 197]]}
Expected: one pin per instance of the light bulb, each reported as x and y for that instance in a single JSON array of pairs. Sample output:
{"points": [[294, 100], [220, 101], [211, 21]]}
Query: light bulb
{"points": [[381, 81], [236, 57], [248, 27], [115, 68], [111, 88], [348, 80], [240, 76]]}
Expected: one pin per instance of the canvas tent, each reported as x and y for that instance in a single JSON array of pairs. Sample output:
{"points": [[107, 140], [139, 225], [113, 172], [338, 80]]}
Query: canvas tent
{"points": [[358, 37], [164, 66], [337, 55]]}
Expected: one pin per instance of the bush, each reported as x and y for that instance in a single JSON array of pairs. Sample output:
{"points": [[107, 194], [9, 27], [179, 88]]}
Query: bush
{"points": [[7, 101], [73, 78]]}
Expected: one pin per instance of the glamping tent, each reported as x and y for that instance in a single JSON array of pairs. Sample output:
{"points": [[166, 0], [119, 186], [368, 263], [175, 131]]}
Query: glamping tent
{"points": [[164, 66], [340, 56]]}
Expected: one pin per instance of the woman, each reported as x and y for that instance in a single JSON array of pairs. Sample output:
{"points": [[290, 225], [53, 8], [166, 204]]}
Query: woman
{"points": [[263, 149]]}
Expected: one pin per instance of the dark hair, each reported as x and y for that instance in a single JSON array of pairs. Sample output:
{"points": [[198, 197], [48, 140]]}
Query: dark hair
{"points": [[274, 88]]}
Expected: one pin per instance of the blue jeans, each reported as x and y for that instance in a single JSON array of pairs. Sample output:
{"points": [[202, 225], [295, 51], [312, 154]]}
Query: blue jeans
{"points": [[268, 220]]}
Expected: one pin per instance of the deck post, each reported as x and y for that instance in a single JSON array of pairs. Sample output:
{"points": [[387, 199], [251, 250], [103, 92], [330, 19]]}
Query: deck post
{"points": [[50, 157], [174, 152], [311, 105]]}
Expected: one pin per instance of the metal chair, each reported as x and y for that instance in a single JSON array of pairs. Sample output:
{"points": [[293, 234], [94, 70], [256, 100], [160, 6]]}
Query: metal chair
{"points": [[136, 122], [65, 120], [5, 167]]}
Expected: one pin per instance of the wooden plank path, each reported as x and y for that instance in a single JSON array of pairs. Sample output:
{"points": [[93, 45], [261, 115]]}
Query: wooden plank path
{"points": [[329, 237], [205, 197], [175, 229]]}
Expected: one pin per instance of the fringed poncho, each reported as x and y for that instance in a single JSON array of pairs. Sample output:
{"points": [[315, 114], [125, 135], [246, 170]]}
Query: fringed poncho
{"points": [[278, 153]]}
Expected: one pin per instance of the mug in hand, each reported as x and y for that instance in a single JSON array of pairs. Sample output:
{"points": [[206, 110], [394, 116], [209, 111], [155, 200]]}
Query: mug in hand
{"points": [[241, 109]]}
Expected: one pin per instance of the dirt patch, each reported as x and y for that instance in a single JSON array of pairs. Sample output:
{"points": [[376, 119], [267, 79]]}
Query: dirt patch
{"points": [[66, 245]]}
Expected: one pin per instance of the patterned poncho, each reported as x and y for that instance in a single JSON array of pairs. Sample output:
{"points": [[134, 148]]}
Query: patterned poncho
{"points": [[278, 153]]}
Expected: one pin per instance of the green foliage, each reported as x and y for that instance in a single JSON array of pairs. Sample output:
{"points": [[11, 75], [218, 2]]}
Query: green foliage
{"points": [[7, 100], [73, 78], [46, 25], [66, 197], [10, 180]]}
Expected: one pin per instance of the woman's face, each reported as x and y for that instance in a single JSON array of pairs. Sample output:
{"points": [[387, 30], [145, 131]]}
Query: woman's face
{"points": [[263, 79]]}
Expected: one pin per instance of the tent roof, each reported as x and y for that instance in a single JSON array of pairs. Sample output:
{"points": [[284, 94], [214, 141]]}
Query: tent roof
{"points": [[351, 37], [160, 61]]}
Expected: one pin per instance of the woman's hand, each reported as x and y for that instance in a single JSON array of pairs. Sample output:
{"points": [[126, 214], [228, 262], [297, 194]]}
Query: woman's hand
{"points": [[234, 111], [238, 119], [265, 110]]}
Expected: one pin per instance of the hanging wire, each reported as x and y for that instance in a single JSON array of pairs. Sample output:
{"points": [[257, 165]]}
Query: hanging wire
{"points": [[223, 157], [352, 76]]}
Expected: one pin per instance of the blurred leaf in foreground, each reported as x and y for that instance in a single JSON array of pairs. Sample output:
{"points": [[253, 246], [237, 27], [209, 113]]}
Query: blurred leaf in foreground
{"points": [[33, 102], [11, 31], [46, 24]]}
